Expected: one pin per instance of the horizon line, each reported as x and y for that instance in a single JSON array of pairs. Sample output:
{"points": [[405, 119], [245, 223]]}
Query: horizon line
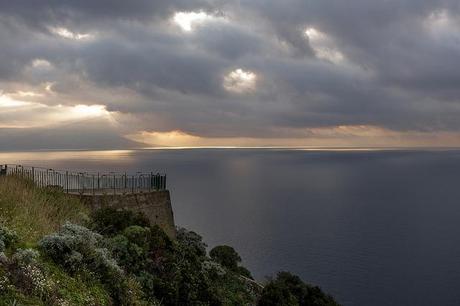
{"points": [[293, 148]]}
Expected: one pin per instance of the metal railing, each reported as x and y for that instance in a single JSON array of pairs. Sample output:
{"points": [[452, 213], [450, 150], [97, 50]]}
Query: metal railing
{"points": [[88, 183]]}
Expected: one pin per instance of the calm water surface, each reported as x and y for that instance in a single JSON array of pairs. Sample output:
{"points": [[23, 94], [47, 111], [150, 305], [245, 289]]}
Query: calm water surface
{"points": [[370, 227]]}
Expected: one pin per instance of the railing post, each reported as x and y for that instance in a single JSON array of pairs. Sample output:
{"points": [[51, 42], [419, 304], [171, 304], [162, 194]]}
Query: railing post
{"points": [[126, 186], [67, 181], [132, 183], [80, 189], [150, 181], [3, 170]]}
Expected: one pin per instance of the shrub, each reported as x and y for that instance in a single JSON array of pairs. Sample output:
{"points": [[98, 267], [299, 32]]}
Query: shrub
{"points": [[228, 288], [71, 245], [77, 248], [27, 275], [24, 257], [191, 241], [147, 253], [171, 272], [141, 248], [159, 239], [213, 269], [109, 221], [226, 256], [130, 256], [7, 238], [288, 289]]}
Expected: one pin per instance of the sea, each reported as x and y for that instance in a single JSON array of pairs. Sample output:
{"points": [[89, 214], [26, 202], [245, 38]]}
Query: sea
{"points": [[369, 226]]}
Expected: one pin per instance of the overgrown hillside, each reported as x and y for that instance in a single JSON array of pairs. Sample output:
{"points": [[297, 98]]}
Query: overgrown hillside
{"points": [[34, 212], [53, 251]]}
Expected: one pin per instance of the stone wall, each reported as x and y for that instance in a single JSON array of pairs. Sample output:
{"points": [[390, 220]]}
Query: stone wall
{"points": [[156, 205]]}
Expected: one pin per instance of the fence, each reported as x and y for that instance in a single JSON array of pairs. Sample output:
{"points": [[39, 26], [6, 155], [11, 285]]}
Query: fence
{"points": [[87, 183]]}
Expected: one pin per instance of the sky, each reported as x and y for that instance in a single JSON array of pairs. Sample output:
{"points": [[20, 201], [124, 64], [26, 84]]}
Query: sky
{"points": [[77, 74]]}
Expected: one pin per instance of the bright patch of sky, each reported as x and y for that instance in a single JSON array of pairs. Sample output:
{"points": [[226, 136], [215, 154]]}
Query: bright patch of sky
{"points": [[89, 111], [8, 102], [240, 81], [441, 25], [187, 21], [324, 46], [36, 114], [41, 63], [66, 33]]}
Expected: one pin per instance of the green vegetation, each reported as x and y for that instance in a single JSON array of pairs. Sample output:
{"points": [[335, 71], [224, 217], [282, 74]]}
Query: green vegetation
{"points": [[34, 212], [53, 253], [289, 290]]}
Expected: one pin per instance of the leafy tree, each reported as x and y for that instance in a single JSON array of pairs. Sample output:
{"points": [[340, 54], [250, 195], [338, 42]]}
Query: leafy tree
{"points": [[110, 221], [192, 241], [288, 289], [226, 256]]}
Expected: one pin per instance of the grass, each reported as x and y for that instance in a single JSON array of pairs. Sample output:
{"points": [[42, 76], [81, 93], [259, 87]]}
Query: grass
{"points": [[34, 212], [79, 289], [75, 290]]}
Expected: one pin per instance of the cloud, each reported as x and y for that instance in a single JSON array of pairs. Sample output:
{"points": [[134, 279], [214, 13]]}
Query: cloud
{"points": [[234, 69], [87, 135]]}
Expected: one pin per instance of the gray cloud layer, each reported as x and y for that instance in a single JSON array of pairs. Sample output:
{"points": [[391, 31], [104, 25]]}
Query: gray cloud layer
{"points": [[399, 68]]}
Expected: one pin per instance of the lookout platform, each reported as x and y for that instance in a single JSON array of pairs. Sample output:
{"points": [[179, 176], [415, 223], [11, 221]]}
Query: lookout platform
{"points": [[143, 192]]}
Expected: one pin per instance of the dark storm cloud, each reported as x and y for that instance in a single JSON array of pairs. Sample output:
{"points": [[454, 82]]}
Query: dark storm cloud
{"points": [[81, 12], [396, 62]]}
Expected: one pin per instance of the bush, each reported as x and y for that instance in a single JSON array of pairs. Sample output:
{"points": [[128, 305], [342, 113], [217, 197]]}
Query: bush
{"points": [[288, 289], [131, 256], [229, 288], [171, 272], [77, 248], [226, 256], [71, 246], [191, 241], [24, 273], [7, 238], [148, 254], [25, 257], [109, 221], [213, 269]]}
